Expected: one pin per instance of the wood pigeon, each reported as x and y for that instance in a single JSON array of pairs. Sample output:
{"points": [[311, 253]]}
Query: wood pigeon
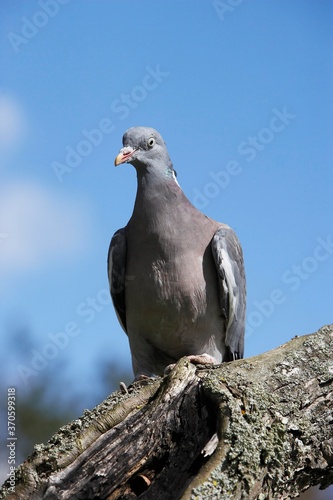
{"points": [[176, 276]]}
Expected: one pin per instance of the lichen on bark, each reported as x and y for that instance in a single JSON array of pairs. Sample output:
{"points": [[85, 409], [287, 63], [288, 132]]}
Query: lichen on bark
{"points": [[272, 414], [278, 428]]}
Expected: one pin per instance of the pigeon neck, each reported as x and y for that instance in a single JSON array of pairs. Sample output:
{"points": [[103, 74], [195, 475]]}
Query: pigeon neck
{"points": [[156, 179], [155, 186]]}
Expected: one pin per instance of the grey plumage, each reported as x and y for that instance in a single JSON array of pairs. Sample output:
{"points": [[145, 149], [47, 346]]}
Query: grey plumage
{"points": [[176, 276]]}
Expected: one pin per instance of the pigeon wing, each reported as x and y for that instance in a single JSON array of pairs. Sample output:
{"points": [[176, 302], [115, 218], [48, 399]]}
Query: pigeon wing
{"points": [[229, 263], [117, 273]]}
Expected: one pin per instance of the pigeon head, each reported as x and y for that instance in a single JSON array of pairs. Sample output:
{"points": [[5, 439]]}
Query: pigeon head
{"points": [[144, 148]]}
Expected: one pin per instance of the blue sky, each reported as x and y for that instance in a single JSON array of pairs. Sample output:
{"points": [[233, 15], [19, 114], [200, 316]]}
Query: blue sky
{"points": [[243, 99]]}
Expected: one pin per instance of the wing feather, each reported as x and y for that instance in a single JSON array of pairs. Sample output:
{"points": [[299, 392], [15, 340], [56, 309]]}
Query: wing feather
{"points": [[116, 273], [228, 257]]}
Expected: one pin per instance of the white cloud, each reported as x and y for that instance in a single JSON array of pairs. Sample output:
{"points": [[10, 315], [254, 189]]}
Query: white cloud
{"points": [[12, 122], [37, 227]]}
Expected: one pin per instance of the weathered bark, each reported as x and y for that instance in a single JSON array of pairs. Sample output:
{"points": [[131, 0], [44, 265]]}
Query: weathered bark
{"points": [[273, 415]]}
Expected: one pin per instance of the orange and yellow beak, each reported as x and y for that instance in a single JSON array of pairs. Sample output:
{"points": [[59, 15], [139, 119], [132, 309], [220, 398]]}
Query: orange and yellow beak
{"points": [[124, 155]]}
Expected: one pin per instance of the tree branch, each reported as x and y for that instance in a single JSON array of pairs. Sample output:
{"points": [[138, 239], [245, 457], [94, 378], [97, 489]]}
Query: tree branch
{"points": [[272, 414]]}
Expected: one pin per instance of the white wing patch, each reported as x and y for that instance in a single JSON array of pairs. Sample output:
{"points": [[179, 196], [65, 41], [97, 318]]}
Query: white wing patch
{"points": [[231, 284]]}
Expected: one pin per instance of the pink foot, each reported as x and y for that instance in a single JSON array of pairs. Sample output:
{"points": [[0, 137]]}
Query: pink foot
{"points": [[202, 359], [196, 359]]}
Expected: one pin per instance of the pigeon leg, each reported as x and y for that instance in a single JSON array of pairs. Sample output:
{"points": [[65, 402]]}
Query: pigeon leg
{"points": [[202, 359], [196, 359]]}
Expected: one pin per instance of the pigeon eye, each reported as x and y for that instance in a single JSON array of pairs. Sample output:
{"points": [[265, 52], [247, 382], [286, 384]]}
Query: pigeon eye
{"points": [[151, 142]]}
